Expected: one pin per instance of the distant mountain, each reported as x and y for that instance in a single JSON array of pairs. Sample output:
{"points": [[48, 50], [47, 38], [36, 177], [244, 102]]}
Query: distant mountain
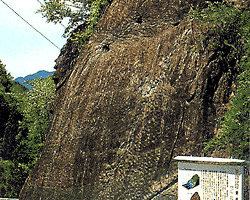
{"points": [[39, 74]]}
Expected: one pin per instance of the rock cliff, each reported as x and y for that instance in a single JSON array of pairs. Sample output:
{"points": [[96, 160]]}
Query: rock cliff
{"points": [[134, 98]]}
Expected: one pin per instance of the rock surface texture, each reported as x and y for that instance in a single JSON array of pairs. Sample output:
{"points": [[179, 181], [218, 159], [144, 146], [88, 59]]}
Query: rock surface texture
{"points": [[133, 99]]}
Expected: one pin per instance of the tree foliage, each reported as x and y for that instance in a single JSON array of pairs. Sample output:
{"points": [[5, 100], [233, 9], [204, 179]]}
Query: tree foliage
{"points": [[56, 11], [228, 24], [33, 106], [9, 114], [95, 12], [26, 140], [78, 12], [5, 79]]}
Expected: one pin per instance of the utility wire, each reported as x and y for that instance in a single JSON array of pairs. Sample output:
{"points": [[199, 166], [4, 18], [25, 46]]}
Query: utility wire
{"points": [[59, 22], [30, 24], [40, 2]]}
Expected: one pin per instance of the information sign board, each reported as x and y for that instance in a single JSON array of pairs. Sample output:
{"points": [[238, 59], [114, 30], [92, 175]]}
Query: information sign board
{"points": [[209, 181], [208, 178]]}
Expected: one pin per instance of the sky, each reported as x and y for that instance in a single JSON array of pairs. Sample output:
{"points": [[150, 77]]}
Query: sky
{"points": [[22, 49]]}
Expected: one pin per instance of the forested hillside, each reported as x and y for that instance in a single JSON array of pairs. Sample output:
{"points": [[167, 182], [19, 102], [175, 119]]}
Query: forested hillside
{"points": [[39, 74], [24, 120]]}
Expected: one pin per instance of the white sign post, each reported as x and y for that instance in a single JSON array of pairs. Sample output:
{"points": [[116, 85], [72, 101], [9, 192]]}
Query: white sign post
{"points": [[209, 180]]}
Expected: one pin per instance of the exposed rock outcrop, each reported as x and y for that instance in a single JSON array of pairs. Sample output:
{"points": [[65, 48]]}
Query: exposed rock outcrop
{"points": [[133, 99]]}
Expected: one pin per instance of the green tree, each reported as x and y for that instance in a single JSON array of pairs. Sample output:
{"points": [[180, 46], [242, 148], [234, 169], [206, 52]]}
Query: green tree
{"points": [[80, 13], [9, 115], [30, 134], [56, 11], [5, 79], [4, 109], [230, 26], [37, 118]]}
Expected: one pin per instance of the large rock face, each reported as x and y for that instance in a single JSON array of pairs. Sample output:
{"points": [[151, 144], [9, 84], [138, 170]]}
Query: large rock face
{"points": [[134, 98]]}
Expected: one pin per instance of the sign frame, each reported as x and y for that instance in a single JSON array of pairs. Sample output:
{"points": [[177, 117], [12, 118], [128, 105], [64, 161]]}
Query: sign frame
{"points": [[210, 178]]}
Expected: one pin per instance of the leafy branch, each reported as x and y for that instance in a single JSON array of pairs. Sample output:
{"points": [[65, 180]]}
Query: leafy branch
{"points": [[78, 12], [95, 12]]}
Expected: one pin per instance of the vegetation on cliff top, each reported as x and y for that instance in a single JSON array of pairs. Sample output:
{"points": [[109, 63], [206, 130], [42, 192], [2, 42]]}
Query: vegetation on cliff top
{"points": [[85, 13]]}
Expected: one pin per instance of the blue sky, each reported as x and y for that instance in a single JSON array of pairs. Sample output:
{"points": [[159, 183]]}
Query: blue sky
{"points": [[22, 49]]}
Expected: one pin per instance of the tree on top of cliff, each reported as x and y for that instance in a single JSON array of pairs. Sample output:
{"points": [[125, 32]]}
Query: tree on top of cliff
{"points": [[78, 12], [56, 11]]}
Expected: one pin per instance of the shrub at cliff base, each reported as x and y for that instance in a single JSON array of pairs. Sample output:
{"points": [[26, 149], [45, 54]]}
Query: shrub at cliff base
{"points": [[30, 135]]}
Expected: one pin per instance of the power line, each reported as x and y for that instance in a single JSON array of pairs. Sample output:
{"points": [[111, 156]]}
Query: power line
{"points": [[30, 24], [40, 2]]}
